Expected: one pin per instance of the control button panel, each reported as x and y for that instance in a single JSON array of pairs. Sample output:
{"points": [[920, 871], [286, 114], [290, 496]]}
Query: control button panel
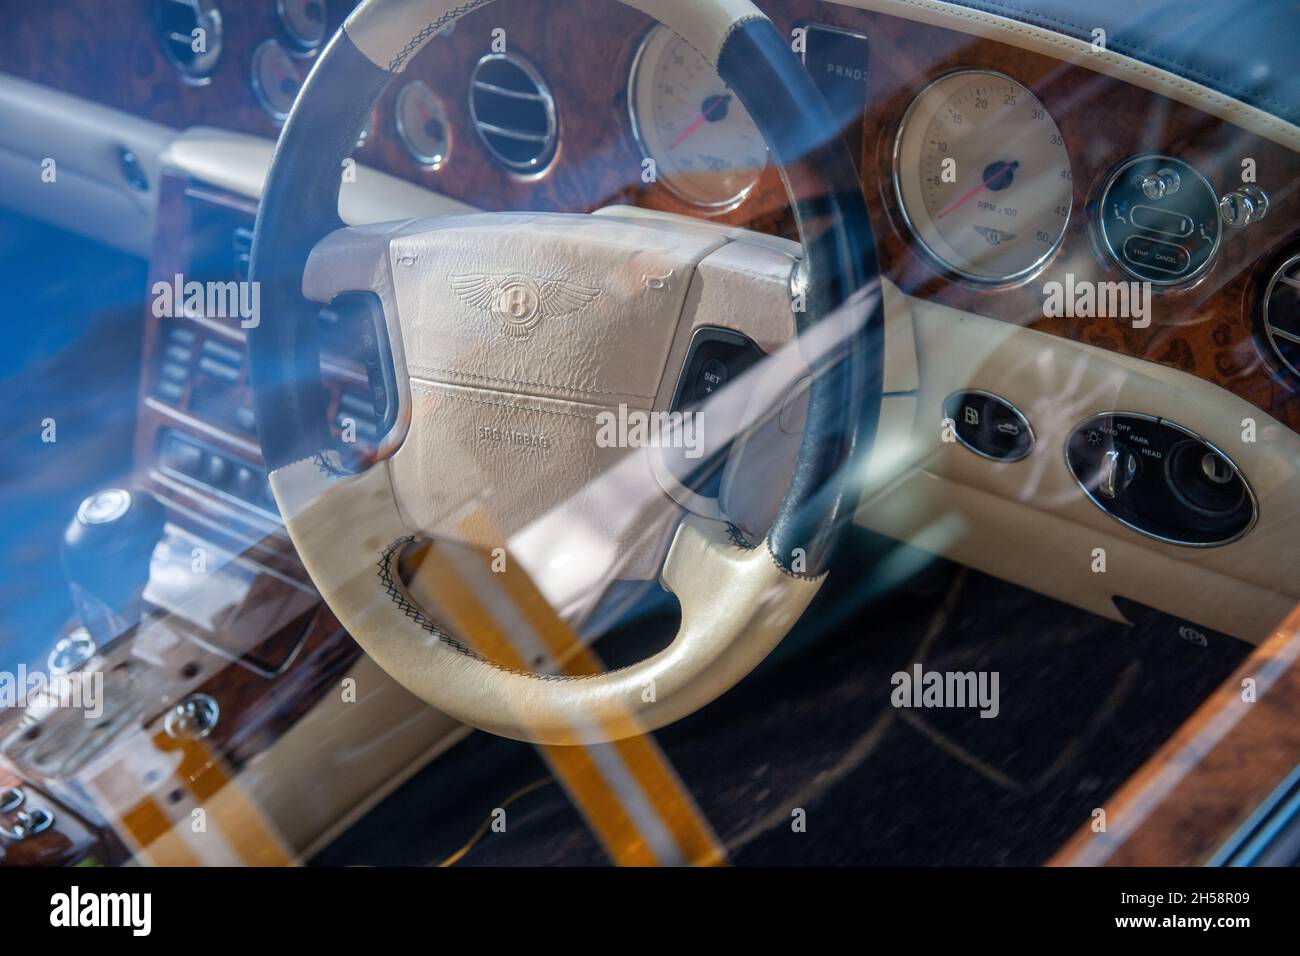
{"points": [[185, 457], [989, 425], [1160, 479], [1159, 219], [357, 328], [717, 359], [716, 356]]}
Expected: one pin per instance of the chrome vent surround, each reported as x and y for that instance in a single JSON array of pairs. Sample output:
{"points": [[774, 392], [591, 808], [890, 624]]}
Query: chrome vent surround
{"points": [[513, 112], [1281, 313], [177, 22]]}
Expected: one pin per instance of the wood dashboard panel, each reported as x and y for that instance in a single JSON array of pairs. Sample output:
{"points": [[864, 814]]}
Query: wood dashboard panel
{"points": [[109, 53]]}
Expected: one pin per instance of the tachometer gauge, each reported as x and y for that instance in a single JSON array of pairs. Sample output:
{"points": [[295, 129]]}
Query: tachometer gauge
{"points": [[704, 145], [275, 79], [982, 176], [422, 125], [303, 22]]}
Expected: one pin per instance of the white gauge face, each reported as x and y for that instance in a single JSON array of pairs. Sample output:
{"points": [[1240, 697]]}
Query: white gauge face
{"points": [[303, 22], [983, 176], [275, 79], [422, 124], [704, 145]]}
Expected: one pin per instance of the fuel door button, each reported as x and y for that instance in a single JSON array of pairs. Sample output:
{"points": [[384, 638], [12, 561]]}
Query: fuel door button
{"points": [[989, 425]]}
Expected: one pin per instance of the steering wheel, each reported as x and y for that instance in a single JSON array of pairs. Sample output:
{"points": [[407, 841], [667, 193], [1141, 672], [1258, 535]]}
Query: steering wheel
{"points": [[595, 326]]}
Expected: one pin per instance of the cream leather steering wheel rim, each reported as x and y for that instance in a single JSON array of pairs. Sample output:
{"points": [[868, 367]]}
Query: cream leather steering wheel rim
{"points": [[737, 600]]}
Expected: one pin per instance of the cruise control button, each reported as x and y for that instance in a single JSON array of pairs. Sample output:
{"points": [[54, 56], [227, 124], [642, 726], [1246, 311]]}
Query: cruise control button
{"points": [[712, 376], [1154, 254]]}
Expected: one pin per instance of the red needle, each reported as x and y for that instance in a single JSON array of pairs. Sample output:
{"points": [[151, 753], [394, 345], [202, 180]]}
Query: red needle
{"points": [[992, 176], [699, 121]]}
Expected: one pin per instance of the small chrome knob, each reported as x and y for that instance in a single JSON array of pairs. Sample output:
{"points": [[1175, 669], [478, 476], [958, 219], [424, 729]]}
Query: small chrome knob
{"points": [[27, 823], [1163, 182], [1243, 206], [193, 718], [11, 798], [71, 652]]}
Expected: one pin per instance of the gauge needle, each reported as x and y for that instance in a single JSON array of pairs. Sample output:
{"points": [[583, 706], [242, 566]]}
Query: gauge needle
{"points": [[710, 107], [1001, 170]]}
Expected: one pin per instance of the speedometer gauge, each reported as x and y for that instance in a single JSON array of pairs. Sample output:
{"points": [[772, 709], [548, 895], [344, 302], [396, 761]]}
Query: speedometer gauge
{"points": [[703, 143], [982, 176]]}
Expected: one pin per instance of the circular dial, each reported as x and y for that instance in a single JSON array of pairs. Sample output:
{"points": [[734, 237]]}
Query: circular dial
{"points": [[422, 124], [703, 143], [303, 22], [983, 176], [275, 79]]}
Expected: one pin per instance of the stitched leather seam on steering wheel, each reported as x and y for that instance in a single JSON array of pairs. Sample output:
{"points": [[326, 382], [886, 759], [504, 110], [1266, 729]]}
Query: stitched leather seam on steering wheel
{"points": [[328, 467], [393, 588], [736, 25], [797, 575], [417, 41], [431, 370], [738, 537]]}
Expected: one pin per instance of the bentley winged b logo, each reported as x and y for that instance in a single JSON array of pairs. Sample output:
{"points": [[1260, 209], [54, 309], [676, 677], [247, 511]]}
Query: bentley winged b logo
{"points": [[520, 302]]}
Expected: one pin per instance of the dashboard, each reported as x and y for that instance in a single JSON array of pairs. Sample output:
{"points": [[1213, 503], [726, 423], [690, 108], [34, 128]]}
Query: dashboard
{"points": [[992, 169], [1033, 183], [1021, 179]]}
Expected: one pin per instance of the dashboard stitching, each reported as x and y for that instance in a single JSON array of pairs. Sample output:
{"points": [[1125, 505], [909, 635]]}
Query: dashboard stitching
{"points": [[1125, 62], [515, 381], [798, 575]]}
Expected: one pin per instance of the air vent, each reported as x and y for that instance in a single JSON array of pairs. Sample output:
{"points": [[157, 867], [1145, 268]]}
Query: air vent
{"points": [[513, 112], [1282, 313], [191, 36]]}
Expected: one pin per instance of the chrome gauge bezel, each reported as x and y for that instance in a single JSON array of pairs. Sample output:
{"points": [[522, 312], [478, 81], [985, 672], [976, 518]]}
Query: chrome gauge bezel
{"points": [[642, 144], [255, 80], [295, 44], [432, 163], [932, 257], [201, 74]]}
